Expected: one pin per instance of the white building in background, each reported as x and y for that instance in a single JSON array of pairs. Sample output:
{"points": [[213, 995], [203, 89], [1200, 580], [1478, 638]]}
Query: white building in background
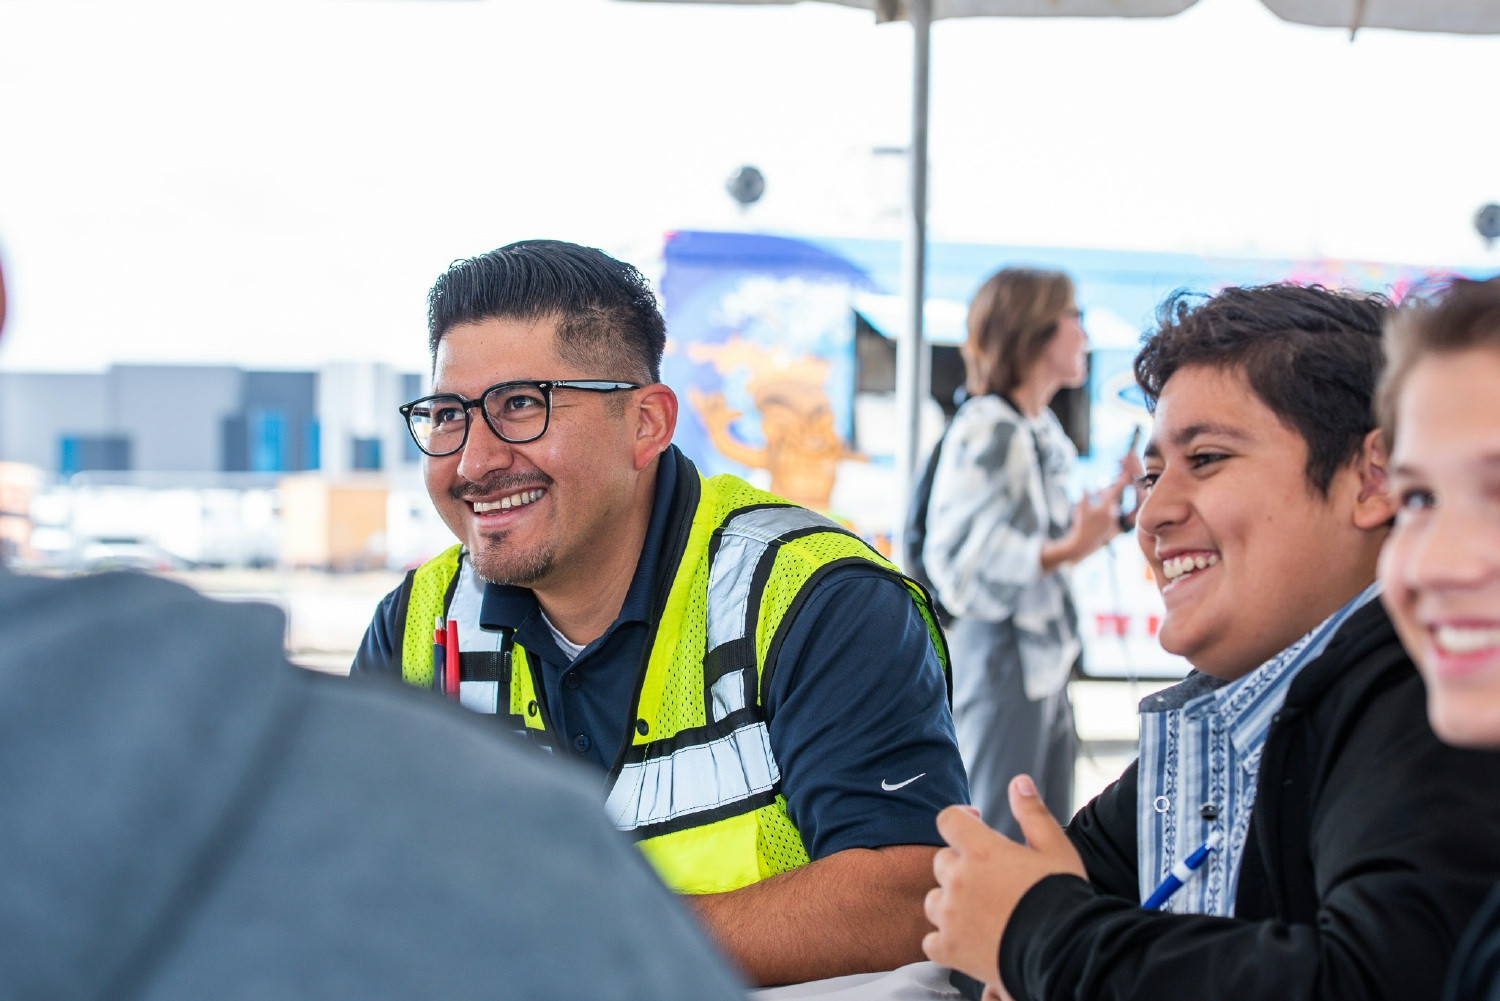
{"points": [[152, 464], [360, 429]]}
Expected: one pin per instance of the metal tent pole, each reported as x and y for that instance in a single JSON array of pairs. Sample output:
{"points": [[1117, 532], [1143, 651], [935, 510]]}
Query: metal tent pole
{"points": [[912, 357]]}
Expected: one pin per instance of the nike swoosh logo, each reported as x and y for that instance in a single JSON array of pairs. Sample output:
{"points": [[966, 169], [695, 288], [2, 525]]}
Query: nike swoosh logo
{"points": [[899, 785]]}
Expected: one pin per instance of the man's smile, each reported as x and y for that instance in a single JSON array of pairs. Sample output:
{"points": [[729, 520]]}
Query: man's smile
{"points": [[515, 500]]}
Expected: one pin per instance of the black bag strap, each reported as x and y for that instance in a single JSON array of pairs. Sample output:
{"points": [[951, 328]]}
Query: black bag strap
{"points": [[916, 529]]}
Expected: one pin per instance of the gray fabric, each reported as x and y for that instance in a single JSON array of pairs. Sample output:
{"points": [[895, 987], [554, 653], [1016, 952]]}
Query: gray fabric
{"points": [[185, 815], [1003, 733]]}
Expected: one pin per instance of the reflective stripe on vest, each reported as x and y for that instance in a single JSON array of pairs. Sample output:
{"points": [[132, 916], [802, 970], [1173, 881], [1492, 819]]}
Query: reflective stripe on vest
{"points": [[696, 779], [738, 766]]}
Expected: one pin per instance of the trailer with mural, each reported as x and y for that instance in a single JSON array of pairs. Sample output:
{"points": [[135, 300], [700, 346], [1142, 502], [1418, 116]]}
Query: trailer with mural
{"points": [[782, 349]]}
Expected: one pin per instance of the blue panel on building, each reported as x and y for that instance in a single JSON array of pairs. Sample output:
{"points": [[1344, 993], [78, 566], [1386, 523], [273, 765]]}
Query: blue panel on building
{"points": [[366, 453], [312, 456], [268, 441], [82, 453]]}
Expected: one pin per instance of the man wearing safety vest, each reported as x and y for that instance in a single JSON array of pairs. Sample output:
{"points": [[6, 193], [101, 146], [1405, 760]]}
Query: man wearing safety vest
{"points": [[766, 695]]}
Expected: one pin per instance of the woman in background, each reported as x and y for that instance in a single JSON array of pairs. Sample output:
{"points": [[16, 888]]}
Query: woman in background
{"points": [[1440, 569], [1001, 535]]}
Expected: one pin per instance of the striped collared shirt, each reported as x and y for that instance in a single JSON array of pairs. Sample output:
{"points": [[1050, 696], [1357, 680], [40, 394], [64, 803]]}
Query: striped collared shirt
{"points": [[1201, 742]]}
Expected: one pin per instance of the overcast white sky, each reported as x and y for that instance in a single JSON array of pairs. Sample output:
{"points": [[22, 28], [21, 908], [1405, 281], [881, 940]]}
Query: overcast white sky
{"points": [[277, 183]]}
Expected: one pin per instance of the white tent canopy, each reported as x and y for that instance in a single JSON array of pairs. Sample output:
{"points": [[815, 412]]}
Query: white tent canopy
{"points": [[1468, 17], [1472, 17]]}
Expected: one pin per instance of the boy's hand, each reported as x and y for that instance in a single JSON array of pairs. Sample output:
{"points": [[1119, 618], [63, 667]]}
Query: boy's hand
{"points": [[982, 875]]}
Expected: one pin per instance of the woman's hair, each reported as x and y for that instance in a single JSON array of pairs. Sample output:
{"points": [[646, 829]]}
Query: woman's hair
{"points": [[1011, 319], [1460, 316]]}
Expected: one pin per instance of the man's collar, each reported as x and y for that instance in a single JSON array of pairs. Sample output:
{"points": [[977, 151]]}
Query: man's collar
{"points": [[506, 606], [637, 606]]}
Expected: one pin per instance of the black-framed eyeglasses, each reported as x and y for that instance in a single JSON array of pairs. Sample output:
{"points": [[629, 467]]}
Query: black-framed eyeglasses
{"points": [[518, 412]]}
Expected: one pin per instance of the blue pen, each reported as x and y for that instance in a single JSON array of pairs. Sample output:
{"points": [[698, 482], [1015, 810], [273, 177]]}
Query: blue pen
{"points": [[1181, 872]]}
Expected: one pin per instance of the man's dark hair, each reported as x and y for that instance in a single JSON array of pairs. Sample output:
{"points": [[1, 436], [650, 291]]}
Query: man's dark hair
{"points": [[607, 316], [1311, 354]]}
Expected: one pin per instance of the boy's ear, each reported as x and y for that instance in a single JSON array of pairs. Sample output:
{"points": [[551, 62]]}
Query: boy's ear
{"points": [[1374, 507]]}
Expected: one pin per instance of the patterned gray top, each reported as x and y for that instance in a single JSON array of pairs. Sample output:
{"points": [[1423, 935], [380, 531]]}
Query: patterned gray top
{"points": [[1000, 492]]}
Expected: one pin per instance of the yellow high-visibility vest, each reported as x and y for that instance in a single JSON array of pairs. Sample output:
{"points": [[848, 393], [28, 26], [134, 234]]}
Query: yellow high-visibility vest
{"points": [[699, 786]]}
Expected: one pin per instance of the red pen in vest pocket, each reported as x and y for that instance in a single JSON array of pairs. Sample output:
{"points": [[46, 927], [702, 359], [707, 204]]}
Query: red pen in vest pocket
{"points": [[452, 665]]}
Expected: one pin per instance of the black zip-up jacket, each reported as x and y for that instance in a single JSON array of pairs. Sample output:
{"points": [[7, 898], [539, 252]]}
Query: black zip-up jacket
{"points": [[1370, 846], [1476, 968]]}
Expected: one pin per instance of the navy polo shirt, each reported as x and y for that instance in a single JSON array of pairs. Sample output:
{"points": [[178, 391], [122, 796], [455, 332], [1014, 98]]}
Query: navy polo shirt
{"points": [[857, 704]]}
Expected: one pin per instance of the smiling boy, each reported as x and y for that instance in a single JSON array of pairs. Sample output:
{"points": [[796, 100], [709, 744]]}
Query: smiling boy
{"points": [[1351, 845]]}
